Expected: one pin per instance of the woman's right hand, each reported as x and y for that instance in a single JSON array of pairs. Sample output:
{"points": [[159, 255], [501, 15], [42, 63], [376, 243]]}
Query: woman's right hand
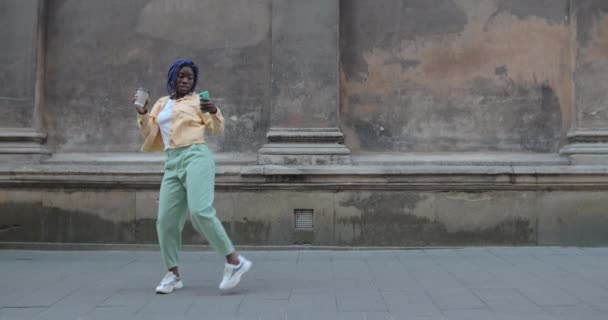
{"points": [[144, 109]]}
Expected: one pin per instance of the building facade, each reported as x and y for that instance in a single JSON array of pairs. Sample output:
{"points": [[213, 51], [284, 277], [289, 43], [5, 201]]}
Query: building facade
{"points": [[348, 123]]}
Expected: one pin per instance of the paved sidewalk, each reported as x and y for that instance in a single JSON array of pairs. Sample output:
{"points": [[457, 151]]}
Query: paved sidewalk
{"points": [[472, 283]]}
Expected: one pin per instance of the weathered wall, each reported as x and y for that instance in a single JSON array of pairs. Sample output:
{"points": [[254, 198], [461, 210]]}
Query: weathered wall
{"points": [[100, 51], [455, 75], [360, 218], [435, 75]]}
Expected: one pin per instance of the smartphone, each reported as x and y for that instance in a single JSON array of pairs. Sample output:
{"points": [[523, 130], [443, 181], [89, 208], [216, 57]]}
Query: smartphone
{"points": [[204, 96]]}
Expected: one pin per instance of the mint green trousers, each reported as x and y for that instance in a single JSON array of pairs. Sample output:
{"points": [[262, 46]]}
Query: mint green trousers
{"points": [[188, 185]]}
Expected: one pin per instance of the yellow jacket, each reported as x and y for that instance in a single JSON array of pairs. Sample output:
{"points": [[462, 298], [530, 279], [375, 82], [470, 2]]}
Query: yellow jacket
{"points": [[187, 126]]}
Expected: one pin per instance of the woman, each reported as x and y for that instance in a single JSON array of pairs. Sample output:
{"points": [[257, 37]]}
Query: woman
{"points": [[177, 125]]}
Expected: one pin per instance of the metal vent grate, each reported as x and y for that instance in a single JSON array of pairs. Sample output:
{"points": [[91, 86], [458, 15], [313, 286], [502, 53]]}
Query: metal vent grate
{"points": [[303, 219]]}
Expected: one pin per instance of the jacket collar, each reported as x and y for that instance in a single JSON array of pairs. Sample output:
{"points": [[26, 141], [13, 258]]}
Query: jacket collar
{"points": [[163, 103]]}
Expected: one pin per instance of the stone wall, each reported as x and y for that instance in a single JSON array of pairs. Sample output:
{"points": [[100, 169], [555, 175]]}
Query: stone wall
{"points": [[398, 122], [341, 218], [432, 76], [93, 67]]}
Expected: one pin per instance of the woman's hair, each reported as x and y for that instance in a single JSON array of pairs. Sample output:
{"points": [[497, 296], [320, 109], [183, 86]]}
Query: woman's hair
{"points": [[174, 71]]}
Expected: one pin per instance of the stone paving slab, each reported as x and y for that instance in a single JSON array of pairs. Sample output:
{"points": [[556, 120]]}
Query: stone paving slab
{"points": [[503, 283]]}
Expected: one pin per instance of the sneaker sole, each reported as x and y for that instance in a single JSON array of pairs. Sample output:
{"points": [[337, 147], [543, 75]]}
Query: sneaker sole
{"points": [[239, 274], [176, 287]]}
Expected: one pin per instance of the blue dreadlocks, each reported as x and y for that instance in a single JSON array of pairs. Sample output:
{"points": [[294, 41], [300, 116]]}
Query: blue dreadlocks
{"points": [[174, 70]]}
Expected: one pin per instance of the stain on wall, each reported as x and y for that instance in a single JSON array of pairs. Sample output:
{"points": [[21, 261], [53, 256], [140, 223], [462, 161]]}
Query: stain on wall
{"points": [[551, 10], [251, 231], [413, 219], [35, 222], [460, 75]]}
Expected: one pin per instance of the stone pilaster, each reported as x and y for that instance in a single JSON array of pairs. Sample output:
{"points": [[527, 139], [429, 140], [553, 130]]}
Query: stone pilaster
{"points": [[305, 85], [22, 92], [588, 137]]}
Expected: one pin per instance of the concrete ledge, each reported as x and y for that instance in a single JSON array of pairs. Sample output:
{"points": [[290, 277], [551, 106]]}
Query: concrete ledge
{"points": [[462, 159], [138, 158], [382, 159], [380, 172]]}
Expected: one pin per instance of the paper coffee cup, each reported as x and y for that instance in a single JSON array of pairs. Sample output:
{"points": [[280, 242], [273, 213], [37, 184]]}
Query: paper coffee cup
{"points": [[141, 96]]}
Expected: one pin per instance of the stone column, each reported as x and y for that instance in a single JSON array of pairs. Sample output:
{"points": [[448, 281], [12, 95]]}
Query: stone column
{"points": [[305, 85], [22, 76], [588, 137]]}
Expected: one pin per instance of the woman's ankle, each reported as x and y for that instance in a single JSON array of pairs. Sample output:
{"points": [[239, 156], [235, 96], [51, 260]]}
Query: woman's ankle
{"points": [[233, 259], [175, 271]]}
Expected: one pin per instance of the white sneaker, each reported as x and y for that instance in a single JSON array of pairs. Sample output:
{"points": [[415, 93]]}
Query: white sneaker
{"points": [[232, 273], [169, 283]]}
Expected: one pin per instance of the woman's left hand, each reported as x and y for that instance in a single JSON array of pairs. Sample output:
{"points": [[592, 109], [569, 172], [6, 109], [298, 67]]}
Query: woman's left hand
{"points": [[208, 106]]}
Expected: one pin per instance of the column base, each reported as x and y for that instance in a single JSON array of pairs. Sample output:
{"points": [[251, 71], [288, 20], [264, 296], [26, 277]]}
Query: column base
{"points": [[304, 146], [587, 147], [22, 144]]}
